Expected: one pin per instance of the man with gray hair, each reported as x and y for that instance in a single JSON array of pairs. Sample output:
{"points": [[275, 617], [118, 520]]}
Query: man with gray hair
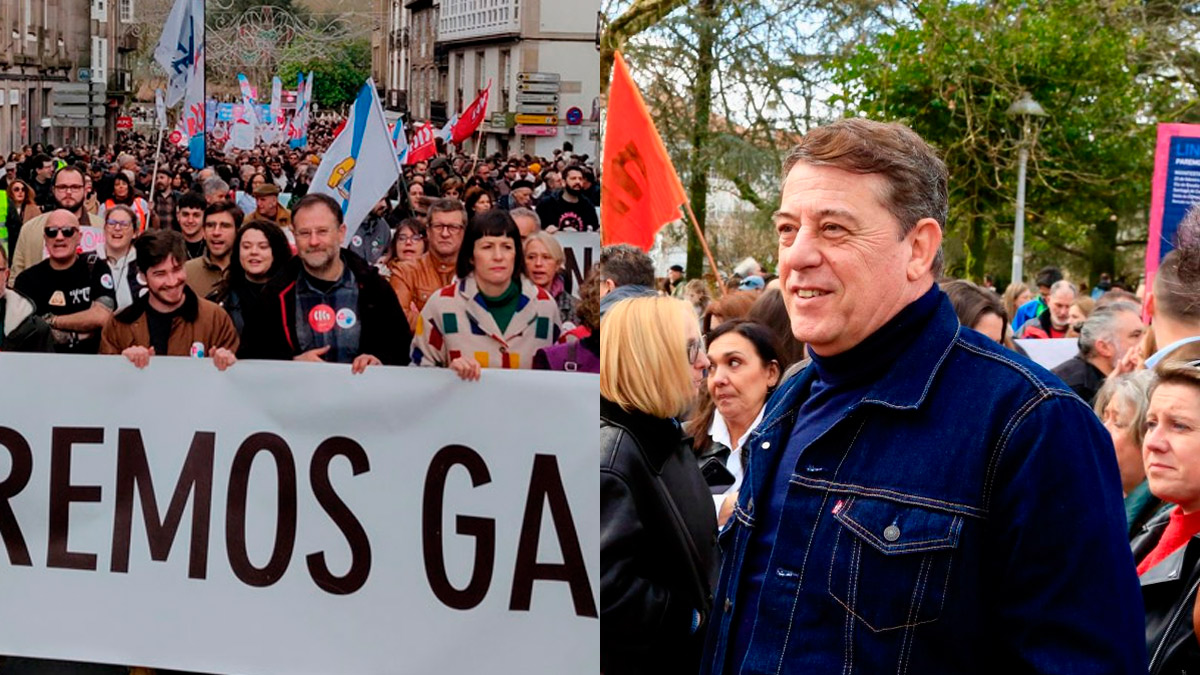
{"points": [[527, 221], [215, 190], [1055, 321], [1103, 339]]}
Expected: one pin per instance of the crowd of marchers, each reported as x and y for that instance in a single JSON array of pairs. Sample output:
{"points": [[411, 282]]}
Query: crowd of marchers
{"points": [[459, 266]]}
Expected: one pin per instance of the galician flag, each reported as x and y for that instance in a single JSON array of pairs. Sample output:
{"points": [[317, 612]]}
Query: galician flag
{"points": [[178, 47], [360, 165], [400, 142]]}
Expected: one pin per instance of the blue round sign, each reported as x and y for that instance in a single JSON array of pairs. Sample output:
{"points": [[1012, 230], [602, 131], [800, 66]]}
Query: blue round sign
{"points": [[574, 116]]}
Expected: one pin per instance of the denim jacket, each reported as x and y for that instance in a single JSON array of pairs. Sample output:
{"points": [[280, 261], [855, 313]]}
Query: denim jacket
{"points": [[963, 516]]}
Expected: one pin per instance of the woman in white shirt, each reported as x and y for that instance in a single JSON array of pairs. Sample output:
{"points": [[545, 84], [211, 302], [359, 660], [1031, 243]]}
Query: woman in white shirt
{"points": [[744, 371]]}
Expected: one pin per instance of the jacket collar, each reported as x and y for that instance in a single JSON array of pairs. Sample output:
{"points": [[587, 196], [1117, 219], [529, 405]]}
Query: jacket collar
{"points": [[657, 437], [476, 307], [906, 383]]}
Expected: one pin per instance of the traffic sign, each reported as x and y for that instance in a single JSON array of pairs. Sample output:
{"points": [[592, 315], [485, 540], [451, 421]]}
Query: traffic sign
{"points": [[538, 87], [70, 122], [574, 116], [175, 137], [536, 131], [529, 109], [85, 74], [549, 120], [58, 109], [538, 77], [537, 98]]}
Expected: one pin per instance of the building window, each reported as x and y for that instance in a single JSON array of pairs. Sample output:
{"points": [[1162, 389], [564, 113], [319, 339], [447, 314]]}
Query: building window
{"points": [[126, 11]]}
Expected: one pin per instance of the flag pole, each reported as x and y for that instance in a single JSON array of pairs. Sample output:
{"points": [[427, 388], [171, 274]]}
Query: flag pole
{"points": [[478, 146], [154, 178], [704, 244]]}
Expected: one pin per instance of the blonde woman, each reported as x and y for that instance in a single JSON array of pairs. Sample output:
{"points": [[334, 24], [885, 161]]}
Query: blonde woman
{"points": [[544, 261], [657, 523], [1015, 295]]}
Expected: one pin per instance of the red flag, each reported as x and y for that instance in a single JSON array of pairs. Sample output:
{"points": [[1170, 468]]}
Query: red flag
{"points": [[641, 192], [422, 147], [472, 117]]}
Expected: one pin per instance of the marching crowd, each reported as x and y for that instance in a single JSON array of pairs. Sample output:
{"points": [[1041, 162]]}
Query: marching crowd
{"points": [[459, 267], [853, 468]]}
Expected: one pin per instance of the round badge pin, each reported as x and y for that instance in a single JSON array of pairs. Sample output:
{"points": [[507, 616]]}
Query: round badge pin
{"points": [[356, 240], [197, 350], [321, 318], [346, 318], [106, 281]]}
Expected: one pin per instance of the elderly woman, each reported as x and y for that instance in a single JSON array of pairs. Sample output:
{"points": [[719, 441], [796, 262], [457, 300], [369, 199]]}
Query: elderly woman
{"points": [[657, 531], [744, 370], [491, 316], [1121, 404], [544, 260], [1166, 550]]}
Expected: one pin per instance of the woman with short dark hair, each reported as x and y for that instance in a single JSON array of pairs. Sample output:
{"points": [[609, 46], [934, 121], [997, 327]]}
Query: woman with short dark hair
{"points": [[491, 316]]}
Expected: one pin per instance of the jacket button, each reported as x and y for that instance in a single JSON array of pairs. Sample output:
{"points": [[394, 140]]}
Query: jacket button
{"points": [[766, 445], [728, 604], [891, 533]]}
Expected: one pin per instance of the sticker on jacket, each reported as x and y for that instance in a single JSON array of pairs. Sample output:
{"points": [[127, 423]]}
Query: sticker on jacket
{"points": [[346, 318], [321, 318]]}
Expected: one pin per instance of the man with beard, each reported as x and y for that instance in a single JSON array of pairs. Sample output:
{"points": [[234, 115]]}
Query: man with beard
{"points": [[72, 292], [169, 320], [1055, 321], [165, 199], [221, 223], [189, 214], [327, 304], [69, 195], [569, 210]]}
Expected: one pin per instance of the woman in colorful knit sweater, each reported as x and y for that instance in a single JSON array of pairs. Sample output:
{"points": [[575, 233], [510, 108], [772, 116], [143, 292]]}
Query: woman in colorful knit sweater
{"points": [[491, 316]]}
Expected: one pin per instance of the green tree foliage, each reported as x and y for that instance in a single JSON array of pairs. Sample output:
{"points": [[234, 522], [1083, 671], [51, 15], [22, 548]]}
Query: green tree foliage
{"points": [[953, 69], [337, 78]]}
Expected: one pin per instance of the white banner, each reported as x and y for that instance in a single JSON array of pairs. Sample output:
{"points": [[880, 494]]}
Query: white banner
{"points": [[582, 250], [1050, 353], [286, 518]]}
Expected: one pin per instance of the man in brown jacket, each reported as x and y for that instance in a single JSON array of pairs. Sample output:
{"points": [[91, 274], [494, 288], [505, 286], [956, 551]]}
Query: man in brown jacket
{"points": [[416, 280], [170, 319]]}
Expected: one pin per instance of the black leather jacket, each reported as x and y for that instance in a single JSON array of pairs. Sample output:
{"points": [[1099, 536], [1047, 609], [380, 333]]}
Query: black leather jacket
{"points": [[658, 548], [1169, 591]]}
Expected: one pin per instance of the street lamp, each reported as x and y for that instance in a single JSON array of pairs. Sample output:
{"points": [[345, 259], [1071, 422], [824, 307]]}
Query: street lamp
{"points": [[1024, 108]]}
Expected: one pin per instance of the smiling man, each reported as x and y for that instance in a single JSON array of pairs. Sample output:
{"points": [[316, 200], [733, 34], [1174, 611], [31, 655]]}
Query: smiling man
{"points": [[169, 320], [918, 499], [327, 304], [73, 292], [221, 222]]}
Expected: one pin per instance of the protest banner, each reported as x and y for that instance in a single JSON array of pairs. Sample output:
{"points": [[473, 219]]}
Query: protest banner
{"points": [[582, 250], [279, 518], [1173, 190]]}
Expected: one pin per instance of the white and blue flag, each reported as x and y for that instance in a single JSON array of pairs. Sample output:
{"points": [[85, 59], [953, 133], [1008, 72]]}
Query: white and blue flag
{"points": [[360, 165], [400, 142], [182, 37]]}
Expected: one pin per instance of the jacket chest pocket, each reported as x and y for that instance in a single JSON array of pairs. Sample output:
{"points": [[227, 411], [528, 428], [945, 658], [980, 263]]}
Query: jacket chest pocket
{"points": [[891, 561]]}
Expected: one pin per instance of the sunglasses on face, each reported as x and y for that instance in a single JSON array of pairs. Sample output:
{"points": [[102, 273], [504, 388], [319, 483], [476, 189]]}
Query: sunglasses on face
{"points": [[67, 232]]}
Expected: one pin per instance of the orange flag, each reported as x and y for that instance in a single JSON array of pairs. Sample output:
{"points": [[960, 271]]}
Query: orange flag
{"points": [[641, 190]]}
